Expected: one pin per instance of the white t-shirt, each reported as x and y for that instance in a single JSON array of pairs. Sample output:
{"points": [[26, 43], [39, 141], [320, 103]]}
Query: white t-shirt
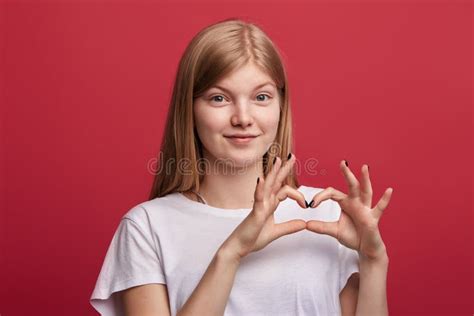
{"points": [[172, 240]]}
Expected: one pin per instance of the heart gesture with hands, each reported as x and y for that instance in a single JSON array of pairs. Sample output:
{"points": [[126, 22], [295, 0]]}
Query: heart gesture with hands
{"points": [[357, 227]]}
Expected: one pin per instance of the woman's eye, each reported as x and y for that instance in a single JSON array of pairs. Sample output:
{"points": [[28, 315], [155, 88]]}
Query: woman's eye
{"points": [[263, 98], [220, 98], [213, 98]]}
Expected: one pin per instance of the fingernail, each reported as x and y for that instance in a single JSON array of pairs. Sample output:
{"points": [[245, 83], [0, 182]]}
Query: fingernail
{"points": [[289, 156], [274, 159], [306, 203], [311, 204], [347, 164], [258, 179]]}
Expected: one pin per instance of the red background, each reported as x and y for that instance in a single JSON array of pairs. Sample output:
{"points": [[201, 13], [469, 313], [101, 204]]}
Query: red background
{"points": [[85, 89]]}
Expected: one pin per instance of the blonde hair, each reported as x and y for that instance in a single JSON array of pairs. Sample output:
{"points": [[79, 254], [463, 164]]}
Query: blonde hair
{"points": [[212, 54]]}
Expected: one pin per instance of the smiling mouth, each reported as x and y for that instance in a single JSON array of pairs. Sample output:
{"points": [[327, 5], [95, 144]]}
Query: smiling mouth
{"points": [[240, 136], [241, 140]]}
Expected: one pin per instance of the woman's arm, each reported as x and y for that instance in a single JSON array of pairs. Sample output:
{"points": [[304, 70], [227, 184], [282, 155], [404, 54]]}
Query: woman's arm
{"points": [[349, 295], [372, 298], [211, 294], [357, 228], [145, 300]]}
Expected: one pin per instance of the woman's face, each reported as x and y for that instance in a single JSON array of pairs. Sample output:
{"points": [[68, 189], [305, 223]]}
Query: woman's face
{"points": [[244, 102]]}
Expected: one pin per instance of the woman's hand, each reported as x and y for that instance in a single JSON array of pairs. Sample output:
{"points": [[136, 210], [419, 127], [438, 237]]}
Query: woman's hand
{"points": [[357, 227], [258, 229]]}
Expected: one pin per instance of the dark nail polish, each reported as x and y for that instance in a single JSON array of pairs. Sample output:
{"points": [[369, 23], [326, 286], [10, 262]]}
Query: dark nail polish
{"points": [[274, 159], [258, 179], [311, 204], [306, 203], [289, 156], [347, 164]]}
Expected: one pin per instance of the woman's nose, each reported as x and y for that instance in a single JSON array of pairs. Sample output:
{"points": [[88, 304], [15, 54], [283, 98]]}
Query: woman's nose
{"points": [[242, 114]]}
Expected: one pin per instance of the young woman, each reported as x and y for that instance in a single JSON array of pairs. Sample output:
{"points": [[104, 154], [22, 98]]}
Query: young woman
{"points": [[209, 240]]}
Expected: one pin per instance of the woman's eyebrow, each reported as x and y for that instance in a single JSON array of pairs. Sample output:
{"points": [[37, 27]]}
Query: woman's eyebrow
{"points": [[256, 88]]}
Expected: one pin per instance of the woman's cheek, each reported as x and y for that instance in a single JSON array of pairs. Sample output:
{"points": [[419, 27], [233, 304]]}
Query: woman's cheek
{"points": [[273, 118], [210, 120]]}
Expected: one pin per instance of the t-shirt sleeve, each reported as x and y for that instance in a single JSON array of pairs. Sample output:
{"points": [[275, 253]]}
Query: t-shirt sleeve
{"points": [[131, 260], [348, 264]]}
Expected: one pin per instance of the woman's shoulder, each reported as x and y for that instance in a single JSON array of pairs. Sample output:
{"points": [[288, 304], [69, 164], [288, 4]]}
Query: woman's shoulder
{"points": [[147, 210]]}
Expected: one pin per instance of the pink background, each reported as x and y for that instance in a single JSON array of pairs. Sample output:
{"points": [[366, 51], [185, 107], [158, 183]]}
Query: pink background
{"points": [[85, 89]]}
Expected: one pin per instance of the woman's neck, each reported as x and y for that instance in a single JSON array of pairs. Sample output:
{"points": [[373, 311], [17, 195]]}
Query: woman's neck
{"points": [[231, 190]]}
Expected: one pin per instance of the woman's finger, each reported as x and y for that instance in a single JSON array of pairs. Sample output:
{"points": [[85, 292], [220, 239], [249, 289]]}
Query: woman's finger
{"points": [[287, 228], [288, 191], [258, 194], [351, 180], [366, 187], [382, 204], [326, 194], [270, 179], [283, 173], [320, 227]]}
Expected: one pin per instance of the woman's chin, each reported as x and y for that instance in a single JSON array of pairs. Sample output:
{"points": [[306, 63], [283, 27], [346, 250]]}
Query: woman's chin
{"points": [[241, 161]]}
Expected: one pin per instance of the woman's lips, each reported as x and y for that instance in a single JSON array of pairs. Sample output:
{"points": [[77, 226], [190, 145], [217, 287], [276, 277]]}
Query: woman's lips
{"points": [[241, 140]]}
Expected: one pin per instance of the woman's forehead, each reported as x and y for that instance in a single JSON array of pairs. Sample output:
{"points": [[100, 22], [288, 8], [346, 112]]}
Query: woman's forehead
{"points": [[248, 74]]}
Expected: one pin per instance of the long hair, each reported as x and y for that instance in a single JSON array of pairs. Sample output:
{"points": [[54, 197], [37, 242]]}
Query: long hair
{"points": [[212, 54]]}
